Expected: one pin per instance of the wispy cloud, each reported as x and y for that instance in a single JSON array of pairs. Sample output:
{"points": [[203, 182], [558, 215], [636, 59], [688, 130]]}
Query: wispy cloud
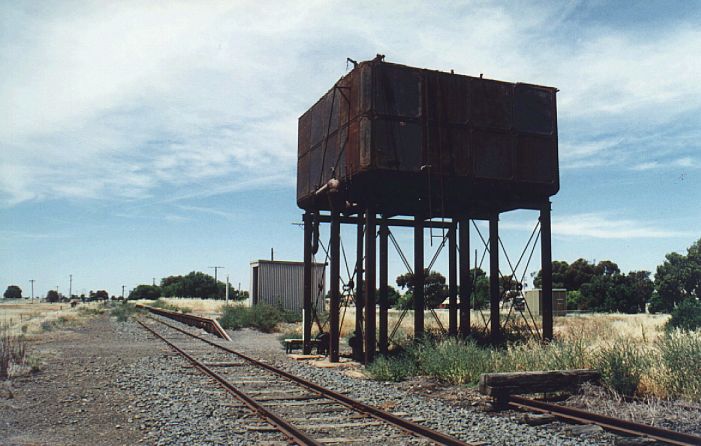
{"points": [[195, 95], [600, 225], [209, 210], [604, 226], [685, 162], [22, 235]]}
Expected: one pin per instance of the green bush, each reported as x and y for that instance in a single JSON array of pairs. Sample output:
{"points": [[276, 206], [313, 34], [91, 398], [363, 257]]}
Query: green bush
{"points": [[53, 324], [454, 361], [122, 311], [462, 362], [680, 355], [686, 316], [262, 317], [622, 364], [391, 369]]}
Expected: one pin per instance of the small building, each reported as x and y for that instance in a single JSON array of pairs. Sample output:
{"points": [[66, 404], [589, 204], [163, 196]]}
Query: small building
{"points": [[281, 284], [534, 299]]}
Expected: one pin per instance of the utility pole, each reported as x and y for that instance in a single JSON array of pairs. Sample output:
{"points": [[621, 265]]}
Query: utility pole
{"points": [[216, 268], [70, 286], [154, 281], [32, 282], [122, 292], [227, 288]]}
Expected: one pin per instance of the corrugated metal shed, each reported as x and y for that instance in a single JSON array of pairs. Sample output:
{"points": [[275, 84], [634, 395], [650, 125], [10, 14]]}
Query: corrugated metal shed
{"points": [[534, 299], [281, 284]]}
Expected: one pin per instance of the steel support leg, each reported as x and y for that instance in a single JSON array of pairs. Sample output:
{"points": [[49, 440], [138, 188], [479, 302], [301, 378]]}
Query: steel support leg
{"points": [[307, 305], [370, 269], [359, 291], [335, 278], [547, 268], [494, 294], [383, 297], [419, 279], [452, 280], [465, 279]]}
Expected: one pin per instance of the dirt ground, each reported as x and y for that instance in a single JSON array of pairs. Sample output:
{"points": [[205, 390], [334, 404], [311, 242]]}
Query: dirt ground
{"points": [[72, 400]]}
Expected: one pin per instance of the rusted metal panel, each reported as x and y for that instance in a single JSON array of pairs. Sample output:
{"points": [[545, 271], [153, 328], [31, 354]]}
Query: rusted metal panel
{"points": [[493, 155], [388, 132]]}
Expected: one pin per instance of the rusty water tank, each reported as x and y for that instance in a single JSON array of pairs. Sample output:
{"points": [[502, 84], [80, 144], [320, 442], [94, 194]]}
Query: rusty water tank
{"points": [[411, 141]]}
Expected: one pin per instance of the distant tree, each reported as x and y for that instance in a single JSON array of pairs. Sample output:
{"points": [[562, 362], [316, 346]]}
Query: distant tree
{"points": [[606, 268], [99, 295], [145, 292], [686, 316], [480, 288], [238, 294], [52, 296], [435, 290], [13, 292], [641, 287], [615, 292], [677, 279], [572, 276], [559, 275], [392, 295], [171, 286], [194, 284]]}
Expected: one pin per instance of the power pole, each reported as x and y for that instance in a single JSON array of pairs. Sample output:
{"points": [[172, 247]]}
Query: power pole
{"points": [[154, 281], [227, 288], [216, 268], [32, 282], [70, 286], [122, 292]]}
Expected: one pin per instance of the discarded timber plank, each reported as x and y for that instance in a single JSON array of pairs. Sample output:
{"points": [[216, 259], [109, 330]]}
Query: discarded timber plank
{"points": [[501, 385]]}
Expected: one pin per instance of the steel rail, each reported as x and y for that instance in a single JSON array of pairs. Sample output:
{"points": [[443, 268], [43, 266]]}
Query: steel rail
{"points": [[207, 324], [616, 425], [279, 423], [405, 425]]}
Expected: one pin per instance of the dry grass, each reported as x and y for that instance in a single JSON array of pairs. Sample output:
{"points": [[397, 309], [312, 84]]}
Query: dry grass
{"points": [[200, 307], [32, 319], [598, 328]]}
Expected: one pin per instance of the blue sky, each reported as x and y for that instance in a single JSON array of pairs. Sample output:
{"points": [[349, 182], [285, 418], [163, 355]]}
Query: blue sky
{"points": [[143, 139]]}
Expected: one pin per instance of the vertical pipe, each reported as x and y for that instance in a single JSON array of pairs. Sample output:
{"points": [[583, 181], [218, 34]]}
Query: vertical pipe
{"points": [[384, 304], [465, 279], [494, 295], [547, 268], [452, 280], [307, 298], [370, 268], [359, 291], [335, 278], [419, 279]]}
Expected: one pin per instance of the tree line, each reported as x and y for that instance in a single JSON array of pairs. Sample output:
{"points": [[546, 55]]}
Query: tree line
{"points": [[195, 284], [15, 292], [591, 286]]}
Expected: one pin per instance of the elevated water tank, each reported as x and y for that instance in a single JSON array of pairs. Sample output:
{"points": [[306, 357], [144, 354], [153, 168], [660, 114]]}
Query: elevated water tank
{"points": [[414, 141]]}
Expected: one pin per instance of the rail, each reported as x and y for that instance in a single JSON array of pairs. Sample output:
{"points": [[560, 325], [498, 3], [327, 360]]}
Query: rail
{"points": [[615, 425], [403, 424], [209, 325]]}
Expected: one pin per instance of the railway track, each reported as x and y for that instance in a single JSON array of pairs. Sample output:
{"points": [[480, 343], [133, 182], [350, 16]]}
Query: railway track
{"points": [[304, 412], [309, 414], [616, 425]]}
